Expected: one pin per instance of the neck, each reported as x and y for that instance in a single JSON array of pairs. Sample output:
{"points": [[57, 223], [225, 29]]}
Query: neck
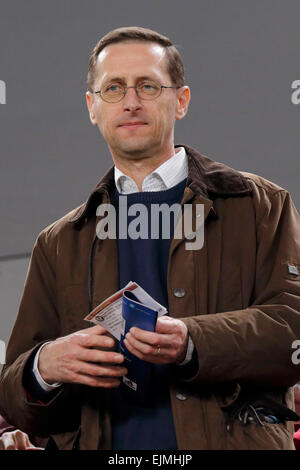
{"points": [[138, 169]]}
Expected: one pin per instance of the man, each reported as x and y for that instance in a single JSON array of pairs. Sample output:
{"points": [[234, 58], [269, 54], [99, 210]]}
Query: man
{"points": [[222, 373]]}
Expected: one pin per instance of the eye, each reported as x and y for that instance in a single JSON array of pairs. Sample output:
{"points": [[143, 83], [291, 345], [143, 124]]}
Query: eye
{"points": [[112, 88], [148, 86]]}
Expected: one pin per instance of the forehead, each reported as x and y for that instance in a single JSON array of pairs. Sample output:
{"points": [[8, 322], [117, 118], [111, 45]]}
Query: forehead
{"points": [[131, 59]]}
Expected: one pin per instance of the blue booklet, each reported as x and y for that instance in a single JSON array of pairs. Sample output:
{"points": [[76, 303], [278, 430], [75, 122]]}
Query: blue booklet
{"points": [[136, 384]]}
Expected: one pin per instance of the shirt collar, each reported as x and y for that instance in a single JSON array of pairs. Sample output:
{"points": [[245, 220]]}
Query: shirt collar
{"points": [[167, 175]]}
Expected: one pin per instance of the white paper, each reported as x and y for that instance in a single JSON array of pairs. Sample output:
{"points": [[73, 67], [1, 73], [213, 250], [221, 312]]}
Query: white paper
{"points": [[108, 314]]}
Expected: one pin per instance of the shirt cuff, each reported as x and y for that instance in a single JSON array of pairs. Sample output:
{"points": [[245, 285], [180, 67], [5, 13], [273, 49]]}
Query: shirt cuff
{"points": [[44, 385], [189, 352]]}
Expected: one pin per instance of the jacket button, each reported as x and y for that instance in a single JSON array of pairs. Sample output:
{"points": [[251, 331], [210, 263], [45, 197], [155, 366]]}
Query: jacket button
{"points": [[181, 396], [179, 292]]}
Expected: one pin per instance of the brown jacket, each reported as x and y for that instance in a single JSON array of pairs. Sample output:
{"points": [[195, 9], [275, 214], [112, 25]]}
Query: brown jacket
{"points": [[241, 305]]}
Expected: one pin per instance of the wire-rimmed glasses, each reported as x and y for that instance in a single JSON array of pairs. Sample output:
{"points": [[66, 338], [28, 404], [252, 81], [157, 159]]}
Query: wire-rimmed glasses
{"points": [[146, 90]]}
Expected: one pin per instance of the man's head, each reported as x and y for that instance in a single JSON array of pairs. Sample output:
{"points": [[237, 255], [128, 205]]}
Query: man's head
{"points": [[135, 127]]}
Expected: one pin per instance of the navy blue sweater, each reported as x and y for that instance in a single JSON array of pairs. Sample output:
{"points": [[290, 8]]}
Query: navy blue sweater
{"points": [[145, 261]]}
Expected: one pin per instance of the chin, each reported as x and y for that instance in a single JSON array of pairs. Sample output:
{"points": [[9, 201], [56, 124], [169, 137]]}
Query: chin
{"points": [[135, 151]]}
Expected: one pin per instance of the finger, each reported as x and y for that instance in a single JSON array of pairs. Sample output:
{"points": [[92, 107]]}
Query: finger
{"points": [[141, 347], [89, 340], [34, 448], [100, 382], [162, 358], [92, 355], [167, 325], [21, 440], [72, 372], [148, 337], [84, 368], [29, 444], [97, 330]]}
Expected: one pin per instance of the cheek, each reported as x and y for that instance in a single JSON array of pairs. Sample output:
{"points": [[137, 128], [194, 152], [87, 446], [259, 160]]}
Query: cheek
{"points": [[103, 121], [166, 117]]}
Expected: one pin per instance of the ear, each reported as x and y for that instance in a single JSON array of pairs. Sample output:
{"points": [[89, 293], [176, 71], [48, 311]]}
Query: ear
{"points": [[90, 105], [183, 100]]}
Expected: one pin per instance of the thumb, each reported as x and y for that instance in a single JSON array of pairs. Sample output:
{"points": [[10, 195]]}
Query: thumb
{"points": [[165, 324]]}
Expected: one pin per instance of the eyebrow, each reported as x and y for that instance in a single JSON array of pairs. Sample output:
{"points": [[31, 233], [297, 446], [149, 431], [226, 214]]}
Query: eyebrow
{"points": [[122, 79]]}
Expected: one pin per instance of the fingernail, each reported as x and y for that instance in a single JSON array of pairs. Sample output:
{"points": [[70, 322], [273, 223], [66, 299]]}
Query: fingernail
{"points": [[109, 341], [119, 358]]}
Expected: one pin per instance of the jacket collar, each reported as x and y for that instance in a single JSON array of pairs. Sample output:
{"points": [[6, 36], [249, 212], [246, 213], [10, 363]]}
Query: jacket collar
{"points": [[206, 178]]}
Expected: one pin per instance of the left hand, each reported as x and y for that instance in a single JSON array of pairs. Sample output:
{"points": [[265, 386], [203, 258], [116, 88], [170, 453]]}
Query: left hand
{"points": [[167, 345]]}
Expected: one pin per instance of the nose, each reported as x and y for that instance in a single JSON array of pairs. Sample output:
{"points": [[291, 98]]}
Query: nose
{"points": [[131, 101]]}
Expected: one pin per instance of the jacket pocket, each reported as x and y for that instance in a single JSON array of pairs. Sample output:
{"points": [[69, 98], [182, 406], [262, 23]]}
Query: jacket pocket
{"points": [[252, 406], [246, 412]]}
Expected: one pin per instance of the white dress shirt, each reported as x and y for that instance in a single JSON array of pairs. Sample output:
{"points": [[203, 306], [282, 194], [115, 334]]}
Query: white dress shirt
{"points": [[167, 175]]}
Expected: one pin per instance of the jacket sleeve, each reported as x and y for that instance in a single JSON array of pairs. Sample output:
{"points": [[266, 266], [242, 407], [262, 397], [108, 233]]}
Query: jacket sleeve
{"points": [[255, 344], [37, 322]]}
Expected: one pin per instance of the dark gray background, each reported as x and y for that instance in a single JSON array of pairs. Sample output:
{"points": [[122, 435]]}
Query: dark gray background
{"points": [[241, 57]]}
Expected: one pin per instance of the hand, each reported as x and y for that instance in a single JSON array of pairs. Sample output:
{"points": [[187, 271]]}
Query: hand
{"points": [[167, 345], [73, 359], [16, 440]]}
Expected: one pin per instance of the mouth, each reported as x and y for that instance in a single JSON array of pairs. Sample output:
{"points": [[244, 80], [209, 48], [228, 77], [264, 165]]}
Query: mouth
{"points": [[132, 125]]}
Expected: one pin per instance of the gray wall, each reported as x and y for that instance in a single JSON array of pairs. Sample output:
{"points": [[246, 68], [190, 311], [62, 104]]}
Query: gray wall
{"points": [[241, 57]]}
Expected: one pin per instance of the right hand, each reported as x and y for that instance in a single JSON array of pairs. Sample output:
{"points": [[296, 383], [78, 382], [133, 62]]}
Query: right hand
{"points": [[72, 359]]}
